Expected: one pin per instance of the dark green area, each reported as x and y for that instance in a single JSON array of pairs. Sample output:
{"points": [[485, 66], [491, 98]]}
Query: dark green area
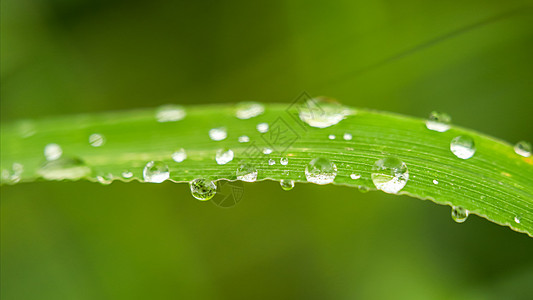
{"points": [[145, 241]]}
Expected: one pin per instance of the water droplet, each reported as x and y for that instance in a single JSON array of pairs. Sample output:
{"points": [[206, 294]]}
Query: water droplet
{"points": [[363, 189], [286, 184], [331, 136], [155, 172], [105, 179], [244, 139], [127, 174], [262, 127], [271, 162], [224, 156], [390, 174], [203, 189], [459, 214], [179, 155], [218, 134], [267, 150], [284, 161], [12, 176], [320, 171], [64, 168], [52, 151], [247, 172], [96, 140], [435, 181], [26, 128], [322, 112], [517, 219], [438, 121], [355, 176], [463, 147], [523, 148], [247, 110], [347, 137], [170, 113]]}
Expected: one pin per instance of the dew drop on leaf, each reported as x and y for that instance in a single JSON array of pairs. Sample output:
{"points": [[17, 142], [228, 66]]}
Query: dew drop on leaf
{"points": [[355, 176], [244, 139], [438, 121], [218, 134], [105, 179], [96, 140], [347, 137], [390, 174], [203, 189], [52, 151], [12, 176], [155, 172], [224, 156], [246, 172], [331, 136], [463, 146], [284, 161], [517, 219], [267, 150], [247, 110], [262, 127], [459, 214], [286, 184], [170, 113], [271, 162], [322, 112], [435, 181], [127, 174], [320, 171], [64, 168], [179, 155], [523, 148]]}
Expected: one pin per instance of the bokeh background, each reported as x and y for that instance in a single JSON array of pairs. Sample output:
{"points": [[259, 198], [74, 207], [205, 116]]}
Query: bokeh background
{"points": [[80, 240]]}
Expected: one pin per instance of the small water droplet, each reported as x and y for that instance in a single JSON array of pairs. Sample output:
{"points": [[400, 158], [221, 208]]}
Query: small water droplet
{"points": [[179, 155], [459, 214], [463, 147], [14, 175], [347, 137], [96, 140], [286, 184], [155, 172], [267, 150], [435, 181], [203, 189], [271, 162], [105, 179], [127, 174], [64, 168], [438, 121], [322, 112], [320, 171], [390, 174], [218, 134], [170, 113], [246, 172], [355, 176], [331, 136], [517, 219], [262, 127], [244, 139], [284, 161], [247, 110], [523, 148], [224, 156], [52, 151]]}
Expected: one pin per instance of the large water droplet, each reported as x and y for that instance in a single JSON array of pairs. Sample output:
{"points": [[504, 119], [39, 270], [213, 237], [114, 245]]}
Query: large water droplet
{"points": [[390, 174], [96, 140], [459, 214], [438, 121], [523, 148], [320, 171], [247, 110], [284, 161], [218, 134], [286, 184], [262, 127], [203, 189], [155, 172], [64, 168], [463, 147], [52, 151], [170, 113], [179, 155], [247, 172], [244, 139], [322, 112], [224, 156]]}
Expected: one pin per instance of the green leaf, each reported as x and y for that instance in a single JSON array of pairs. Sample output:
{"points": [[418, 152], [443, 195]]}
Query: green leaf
{"points": [[496, 183]]}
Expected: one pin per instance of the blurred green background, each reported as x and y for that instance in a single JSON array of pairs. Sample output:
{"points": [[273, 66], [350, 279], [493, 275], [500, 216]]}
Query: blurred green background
{"points": [[80, 240]]}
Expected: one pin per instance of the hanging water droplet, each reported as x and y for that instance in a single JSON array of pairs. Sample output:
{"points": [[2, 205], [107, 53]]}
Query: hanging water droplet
{"points": [[271, 162], [203, 189], [459, 214], [52, 151], [246, 172], [347, 137], [284, 161], [244, 139], [463, 147], [267, 150], [155, 172], [218, 134], [435, 181], [523, 148], [179, 155], [355, 176], [170, 113], [286, 184], [64, 168], [224, 156], [247, 110], [331, 136], [438, 121], [320, 171], [322, 112], [127, 174], [390, 174], [262, 127], [96, 140]]}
